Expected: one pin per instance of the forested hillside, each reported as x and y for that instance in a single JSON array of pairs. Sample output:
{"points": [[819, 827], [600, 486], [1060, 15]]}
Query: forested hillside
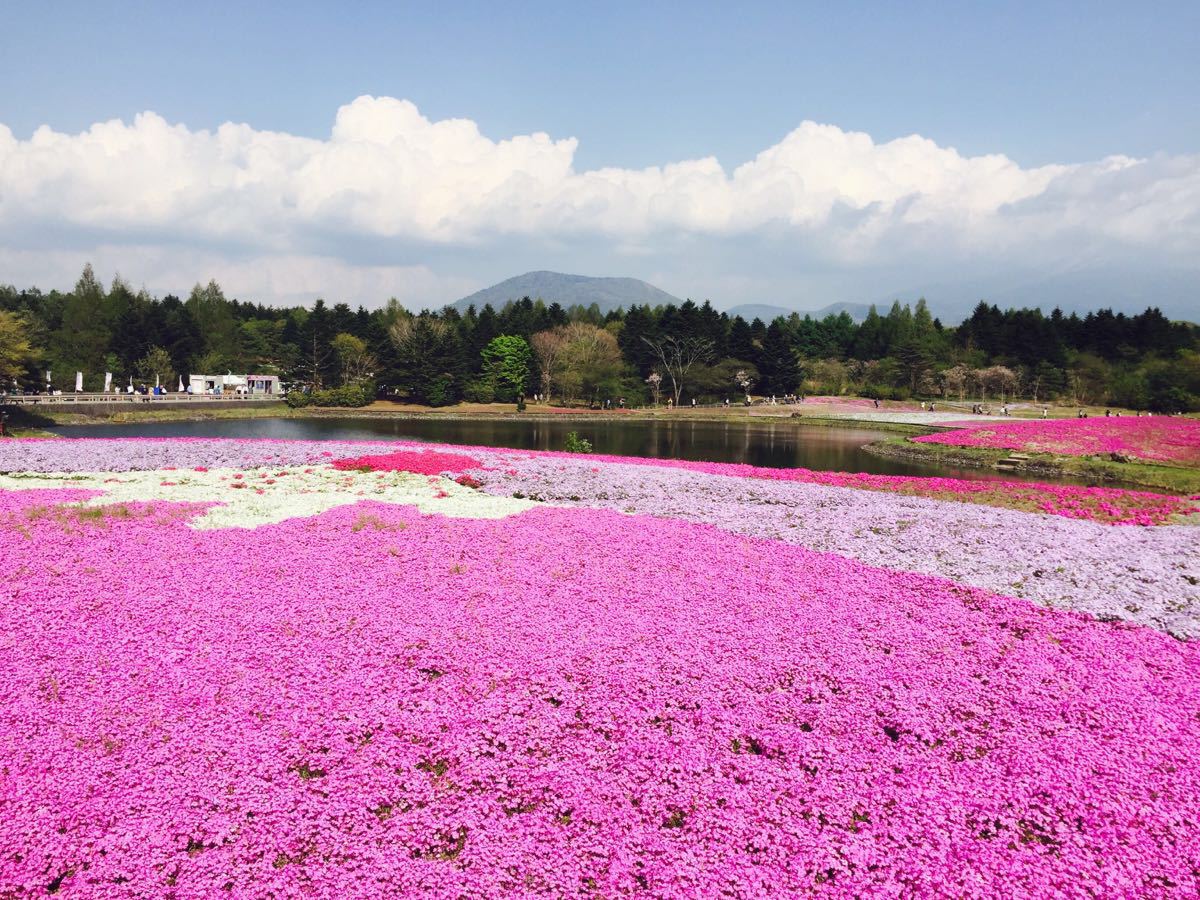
{"points": [[582, 355]]}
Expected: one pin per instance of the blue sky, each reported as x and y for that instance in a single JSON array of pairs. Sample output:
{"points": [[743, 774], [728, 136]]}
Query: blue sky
{"points": [[636, 85]]}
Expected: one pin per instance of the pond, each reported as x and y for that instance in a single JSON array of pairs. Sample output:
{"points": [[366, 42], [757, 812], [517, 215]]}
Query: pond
{"points": [[780, 444]]}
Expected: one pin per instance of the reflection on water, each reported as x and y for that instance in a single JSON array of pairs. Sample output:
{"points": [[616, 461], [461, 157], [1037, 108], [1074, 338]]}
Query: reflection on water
{"points": [[782, 444]]}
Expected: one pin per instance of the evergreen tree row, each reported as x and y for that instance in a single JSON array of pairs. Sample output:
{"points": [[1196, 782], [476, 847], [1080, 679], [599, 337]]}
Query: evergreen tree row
{"points": [[640, 354]]}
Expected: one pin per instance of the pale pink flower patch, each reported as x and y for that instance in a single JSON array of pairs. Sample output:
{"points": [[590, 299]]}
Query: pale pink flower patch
{"points": [[1108, 506]]}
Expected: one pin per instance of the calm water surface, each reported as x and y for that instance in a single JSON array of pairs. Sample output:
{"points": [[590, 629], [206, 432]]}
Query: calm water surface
{"points": [[778, 444]]}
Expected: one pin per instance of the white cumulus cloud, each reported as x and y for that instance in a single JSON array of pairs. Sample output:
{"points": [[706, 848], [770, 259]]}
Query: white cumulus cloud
{"points": [[281, 214]]}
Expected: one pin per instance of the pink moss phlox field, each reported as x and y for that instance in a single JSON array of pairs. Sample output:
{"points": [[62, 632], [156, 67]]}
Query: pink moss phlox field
{"points": [[201, 454], [1145, 575], [1154, 438], [1108, 506], [426, 462], [565, 702], [1148, 576]]}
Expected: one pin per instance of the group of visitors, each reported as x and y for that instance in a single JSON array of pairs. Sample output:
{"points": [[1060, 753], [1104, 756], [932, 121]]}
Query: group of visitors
{"points": [[147, 392]]}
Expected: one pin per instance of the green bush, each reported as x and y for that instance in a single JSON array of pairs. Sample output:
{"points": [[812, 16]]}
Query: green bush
{"points": [[576, 444], [297, 399], [479, 391], [358, 394]]}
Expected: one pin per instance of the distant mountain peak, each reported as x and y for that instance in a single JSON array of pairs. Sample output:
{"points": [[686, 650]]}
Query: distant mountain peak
{"points": [[569, 290]]}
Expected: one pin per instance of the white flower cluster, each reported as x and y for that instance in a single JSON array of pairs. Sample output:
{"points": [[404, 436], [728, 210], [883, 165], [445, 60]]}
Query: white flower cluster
{"points": [[263, 497]]}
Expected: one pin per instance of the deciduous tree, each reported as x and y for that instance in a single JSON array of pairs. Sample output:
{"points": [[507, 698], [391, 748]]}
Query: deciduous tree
{"points": [[677, 355], [155, 364], [17, 352], [354, 359]]}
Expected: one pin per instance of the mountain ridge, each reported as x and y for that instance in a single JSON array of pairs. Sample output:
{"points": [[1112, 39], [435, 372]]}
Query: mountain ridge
{"points": [[954, 300], [608, 293]]}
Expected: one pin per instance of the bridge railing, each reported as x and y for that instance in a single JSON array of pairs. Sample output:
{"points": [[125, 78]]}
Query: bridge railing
{"points": [[100, 397]]}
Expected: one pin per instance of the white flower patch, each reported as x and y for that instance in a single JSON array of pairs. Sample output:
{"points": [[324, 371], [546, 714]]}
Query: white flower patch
{"points": [[266, 497]]}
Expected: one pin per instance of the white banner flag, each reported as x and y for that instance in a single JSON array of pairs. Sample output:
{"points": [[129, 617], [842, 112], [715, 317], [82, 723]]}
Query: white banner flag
{"points": [[47, 376], [107, 381], [79, 381]]}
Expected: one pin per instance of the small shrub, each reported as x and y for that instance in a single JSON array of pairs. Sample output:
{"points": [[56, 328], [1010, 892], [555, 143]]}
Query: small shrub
{"points": [[576, 444], [297, 399]]}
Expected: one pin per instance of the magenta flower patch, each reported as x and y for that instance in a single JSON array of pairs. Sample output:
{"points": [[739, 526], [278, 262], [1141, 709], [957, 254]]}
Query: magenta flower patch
{"points": [[566, 701], [648, 685], [428, 462], [1151, 438]]}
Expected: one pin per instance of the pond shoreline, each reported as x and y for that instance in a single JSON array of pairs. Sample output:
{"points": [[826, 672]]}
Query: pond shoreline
{"points": [[763, 441], [34, 423], [936, 459]]}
